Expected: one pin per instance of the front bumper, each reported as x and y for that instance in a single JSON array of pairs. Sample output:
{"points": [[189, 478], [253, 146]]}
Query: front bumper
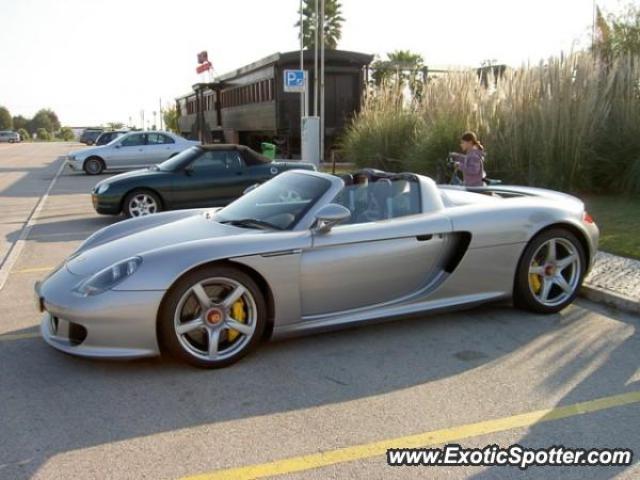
{"points": [[75, 165], [114, 324], [106, 204]]}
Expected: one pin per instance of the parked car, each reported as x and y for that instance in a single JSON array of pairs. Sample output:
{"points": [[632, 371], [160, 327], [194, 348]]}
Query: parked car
{"points": [[201, 176], [308, 251], [90, 135], [108, 137], [9, 136], [131, 150]]}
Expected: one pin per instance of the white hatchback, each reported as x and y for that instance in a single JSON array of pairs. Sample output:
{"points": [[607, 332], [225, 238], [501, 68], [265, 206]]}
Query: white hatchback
{"points": [[130, 151]]}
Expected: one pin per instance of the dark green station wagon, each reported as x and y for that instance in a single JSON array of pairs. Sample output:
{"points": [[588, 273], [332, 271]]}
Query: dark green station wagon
{"points": [[201, 176]]}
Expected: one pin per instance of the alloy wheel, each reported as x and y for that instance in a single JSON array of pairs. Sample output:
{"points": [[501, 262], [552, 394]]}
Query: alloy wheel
{"points": [[554, 271], [142, 204], [215, 318]]}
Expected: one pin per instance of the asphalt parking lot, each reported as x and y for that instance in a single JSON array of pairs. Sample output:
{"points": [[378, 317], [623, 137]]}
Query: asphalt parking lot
{"points": [[320, 407]]}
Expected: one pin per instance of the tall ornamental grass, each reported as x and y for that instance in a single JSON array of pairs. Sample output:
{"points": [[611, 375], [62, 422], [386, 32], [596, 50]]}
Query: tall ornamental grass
{"points": [[570, 123]]}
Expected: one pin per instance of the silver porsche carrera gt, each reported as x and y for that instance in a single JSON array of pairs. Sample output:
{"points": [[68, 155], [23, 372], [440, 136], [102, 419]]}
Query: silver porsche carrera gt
{"points": [[307, 252]]}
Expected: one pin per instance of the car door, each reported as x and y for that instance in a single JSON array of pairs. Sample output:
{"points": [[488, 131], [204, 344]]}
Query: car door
{"points": [[127, 153], [212, 179], [159, 148], [367, 263]]}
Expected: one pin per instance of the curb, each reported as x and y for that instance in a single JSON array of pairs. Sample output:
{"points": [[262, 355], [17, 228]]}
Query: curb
{"points": [[600, 295]]}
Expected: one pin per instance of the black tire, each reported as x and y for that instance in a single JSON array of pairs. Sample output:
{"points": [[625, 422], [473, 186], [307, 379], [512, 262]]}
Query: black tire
{"points": [[523, 291], [93, 166], [168, 337], [12, 141], [127, 204]]}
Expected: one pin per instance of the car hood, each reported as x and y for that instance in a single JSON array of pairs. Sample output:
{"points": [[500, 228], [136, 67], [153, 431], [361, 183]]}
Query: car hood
{"points": [[138, 236], [85, 152], [135, 174]]}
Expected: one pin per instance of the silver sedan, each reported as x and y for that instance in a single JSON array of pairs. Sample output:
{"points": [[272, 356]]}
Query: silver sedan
{"points": [[130, 151], [306, 252]]}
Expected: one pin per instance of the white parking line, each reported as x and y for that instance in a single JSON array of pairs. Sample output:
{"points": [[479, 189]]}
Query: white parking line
{"points": [[16, 249]]}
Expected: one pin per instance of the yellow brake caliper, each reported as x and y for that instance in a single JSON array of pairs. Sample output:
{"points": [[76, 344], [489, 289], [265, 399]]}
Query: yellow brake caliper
{"points": [[534, 281], [237, 310]]}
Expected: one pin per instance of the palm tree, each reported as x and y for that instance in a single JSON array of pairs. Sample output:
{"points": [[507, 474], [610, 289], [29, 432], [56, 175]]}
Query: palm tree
{"points": [[333, 21], [402, 67]]}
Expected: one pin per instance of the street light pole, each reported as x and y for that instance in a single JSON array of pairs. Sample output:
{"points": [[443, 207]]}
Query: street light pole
{"points": [[302, 112], [315, 64], [321, 80]]}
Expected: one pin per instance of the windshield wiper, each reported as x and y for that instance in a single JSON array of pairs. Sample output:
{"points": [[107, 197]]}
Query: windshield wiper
{"points": [[251, 223]]}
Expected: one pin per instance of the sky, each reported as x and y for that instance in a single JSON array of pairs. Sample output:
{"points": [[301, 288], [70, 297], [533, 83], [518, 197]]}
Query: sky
{"points": [[95, 62]]}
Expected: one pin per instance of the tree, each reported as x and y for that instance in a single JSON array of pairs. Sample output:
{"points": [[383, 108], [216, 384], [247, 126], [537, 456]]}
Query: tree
{"points": [[44, 118], [625, 31], [20, 122], [617, 35], [115, 125], [170, 116], [333, 21], [6, 122], [401, 68]]}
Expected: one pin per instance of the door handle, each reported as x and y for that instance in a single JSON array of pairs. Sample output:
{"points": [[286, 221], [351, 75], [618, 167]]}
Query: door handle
{"points": [[424, 238]]}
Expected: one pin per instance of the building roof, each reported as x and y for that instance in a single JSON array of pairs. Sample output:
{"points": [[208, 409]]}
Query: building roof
{"points": [[286, 58], [355, 58]]}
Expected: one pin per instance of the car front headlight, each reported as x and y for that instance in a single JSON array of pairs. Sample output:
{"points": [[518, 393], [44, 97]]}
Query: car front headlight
{"points": [[102, 188], [108, 278]]}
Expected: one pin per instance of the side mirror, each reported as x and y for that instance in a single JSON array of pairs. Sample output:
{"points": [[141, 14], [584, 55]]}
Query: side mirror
{"points": [[118, 145], [331, 215], [250, 188], [188, 170]]}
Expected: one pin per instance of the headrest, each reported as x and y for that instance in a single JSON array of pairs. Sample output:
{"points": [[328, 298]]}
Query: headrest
{"points": [[382, 187], [399, 186], [347, 179]]}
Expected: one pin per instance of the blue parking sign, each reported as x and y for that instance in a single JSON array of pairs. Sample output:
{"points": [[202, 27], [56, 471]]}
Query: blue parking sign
{"points": [[294, 80]]}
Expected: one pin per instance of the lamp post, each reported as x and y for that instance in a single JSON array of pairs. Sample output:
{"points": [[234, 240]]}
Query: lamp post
{"points": [[315, 64], [302, 94], [321, 23]]}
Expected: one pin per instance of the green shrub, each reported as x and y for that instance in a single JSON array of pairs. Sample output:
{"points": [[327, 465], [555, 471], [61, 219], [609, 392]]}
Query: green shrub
{"points": [[569, 123], [66, 134], [382, 134], [24, 135], [43, 135]]}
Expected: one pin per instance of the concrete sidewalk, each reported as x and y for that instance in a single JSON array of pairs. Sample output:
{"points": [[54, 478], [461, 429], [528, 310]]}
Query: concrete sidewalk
{"points": [[615, 281]]}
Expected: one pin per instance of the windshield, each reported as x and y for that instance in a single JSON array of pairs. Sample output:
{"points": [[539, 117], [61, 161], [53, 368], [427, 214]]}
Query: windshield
{"points": [[281, 202], [180, 160]]}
